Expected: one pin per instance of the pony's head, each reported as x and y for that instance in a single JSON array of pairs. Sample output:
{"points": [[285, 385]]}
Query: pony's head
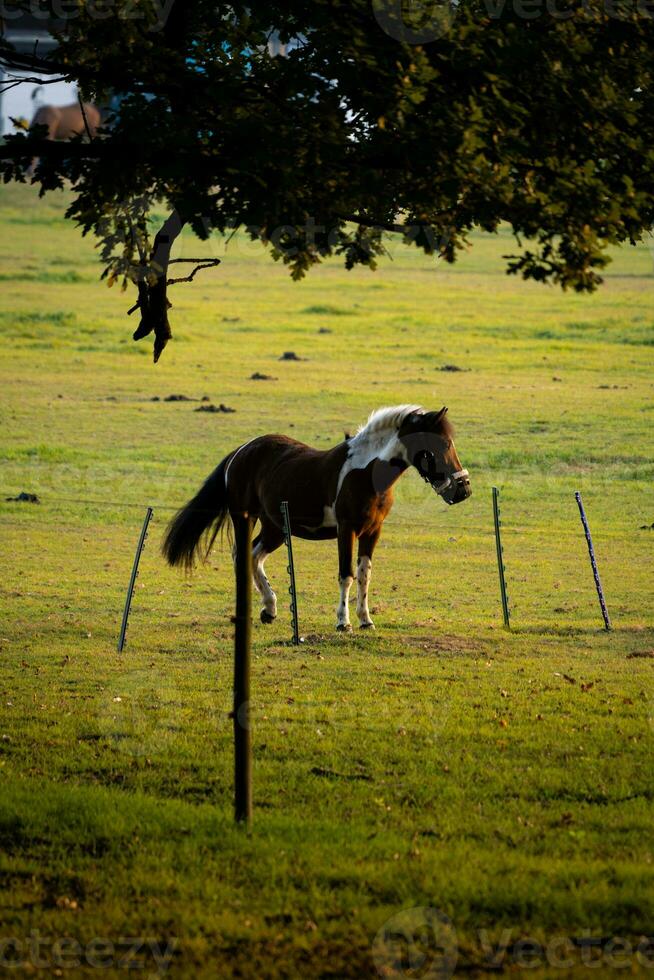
{"points": [[427, 441]]}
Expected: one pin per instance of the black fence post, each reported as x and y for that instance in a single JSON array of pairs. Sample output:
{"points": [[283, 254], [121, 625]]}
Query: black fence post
{"points": [[242, 660], [290, 568], [501, 568], [132, 581], [593, 562]]}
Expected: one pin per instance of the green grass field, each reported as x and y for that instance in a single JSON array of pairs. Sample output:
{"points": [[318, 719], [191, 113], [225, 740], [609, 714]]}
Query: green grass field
{"points": [[504, 779]]}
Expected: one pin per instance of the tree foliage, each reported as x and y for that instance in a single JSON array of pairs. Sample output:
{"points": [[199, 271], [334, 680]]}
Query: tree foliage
{"points": [[541, 117]]}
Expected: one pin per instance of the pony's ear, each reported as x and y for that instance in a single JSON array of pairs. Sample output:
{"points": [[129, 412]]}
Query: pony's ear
{"points": [[430, 421], [436, 418]]}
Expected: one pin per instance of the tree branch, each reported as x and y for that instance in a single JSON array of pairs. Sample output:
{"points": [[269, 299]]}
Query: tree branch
{"points": [[22, 61], [200, 264], [26, 148], [153, 299], [86, 122], [14, 82]]}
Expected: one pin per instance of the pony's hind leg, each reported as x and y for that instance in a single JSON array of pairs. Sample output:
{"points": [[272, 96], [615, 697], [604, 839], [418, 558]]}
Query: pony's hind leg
{"points": [[264, 544], [262, 585]]}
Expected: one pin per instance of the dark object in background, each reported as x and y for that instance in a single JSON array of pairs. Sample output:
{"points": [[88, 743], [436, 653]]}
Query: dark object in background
{"points": [[215, 408], [179, 398], [26, 498]]}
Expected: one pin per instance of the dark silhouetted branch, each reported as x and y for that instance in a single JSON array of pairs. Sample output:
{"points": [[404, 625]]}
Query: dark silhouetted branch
{"points": [[153, 300], [200, 264], [62, 150]]}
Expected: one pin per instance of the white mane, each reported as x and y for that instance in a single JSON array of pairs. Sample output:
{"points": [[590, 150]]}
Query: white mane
{"points": [[377, 439], [386, 418]]}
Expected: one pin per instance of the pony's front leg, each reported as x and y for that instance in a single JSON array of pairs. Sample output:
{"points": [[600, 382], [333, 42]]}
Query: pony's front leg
{"points": [[367, 544], [345, 575]]}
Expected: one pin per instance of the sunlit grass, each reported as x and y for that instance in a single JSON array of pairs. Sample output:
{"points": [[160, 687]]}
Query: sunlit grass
{"points": [[503, 778]]}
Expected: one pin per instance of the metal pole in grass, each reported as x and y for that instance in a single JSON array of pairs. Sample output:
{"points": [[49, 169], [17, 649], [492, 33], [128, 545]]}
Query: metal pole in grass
{"points": [[132, 581], [593, 563], [500, 558], [290, 568], [242, 660]]}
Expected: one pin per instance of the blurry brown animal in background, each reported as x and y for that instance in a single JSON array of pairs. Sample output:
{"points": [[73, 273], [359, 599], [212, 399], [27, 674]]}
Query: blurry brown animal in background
{"points": [[66, 121]]}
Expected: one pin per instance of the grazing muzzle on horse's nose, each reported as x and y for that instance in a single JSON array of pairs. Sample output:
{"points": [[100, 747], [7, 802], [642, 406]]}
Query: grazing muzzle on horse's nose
{"points": [[457, 488], [453, 487]]}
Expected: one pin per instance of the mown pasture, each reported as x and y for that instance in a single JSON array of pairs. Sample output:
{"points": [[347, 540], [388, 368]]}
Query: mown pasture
{"points": [[504, 779]]}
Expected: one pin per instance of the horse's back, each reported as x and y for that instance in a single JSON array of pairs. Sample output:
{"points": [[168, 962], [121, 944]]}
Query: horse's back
{"points": [[276, 467], [72, 121], [266, 456]]}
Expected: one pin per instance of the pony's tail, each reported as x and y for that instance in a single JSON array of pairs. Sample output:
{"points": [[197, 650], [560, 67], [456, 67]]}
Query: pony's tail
{"points": [[193, 529]]}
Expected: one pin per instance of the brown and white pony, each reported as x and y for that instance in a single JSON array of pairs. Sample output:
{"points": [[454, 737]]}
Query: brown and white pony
{"points": [[344, 493]]}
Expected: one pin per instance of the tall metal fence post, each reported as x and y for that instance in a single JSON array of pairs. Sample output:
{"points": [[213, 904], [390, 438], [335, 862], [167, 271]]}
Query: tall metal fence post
{"points": [[290, 568], [242, 661], [500, 558], [593, 563], [132, 580]]}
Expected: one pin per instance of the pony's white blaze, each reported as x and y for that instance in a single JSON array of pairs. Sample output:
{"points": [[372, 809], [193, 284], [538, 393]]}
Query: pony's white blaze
{"points": [[377, 439]]}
